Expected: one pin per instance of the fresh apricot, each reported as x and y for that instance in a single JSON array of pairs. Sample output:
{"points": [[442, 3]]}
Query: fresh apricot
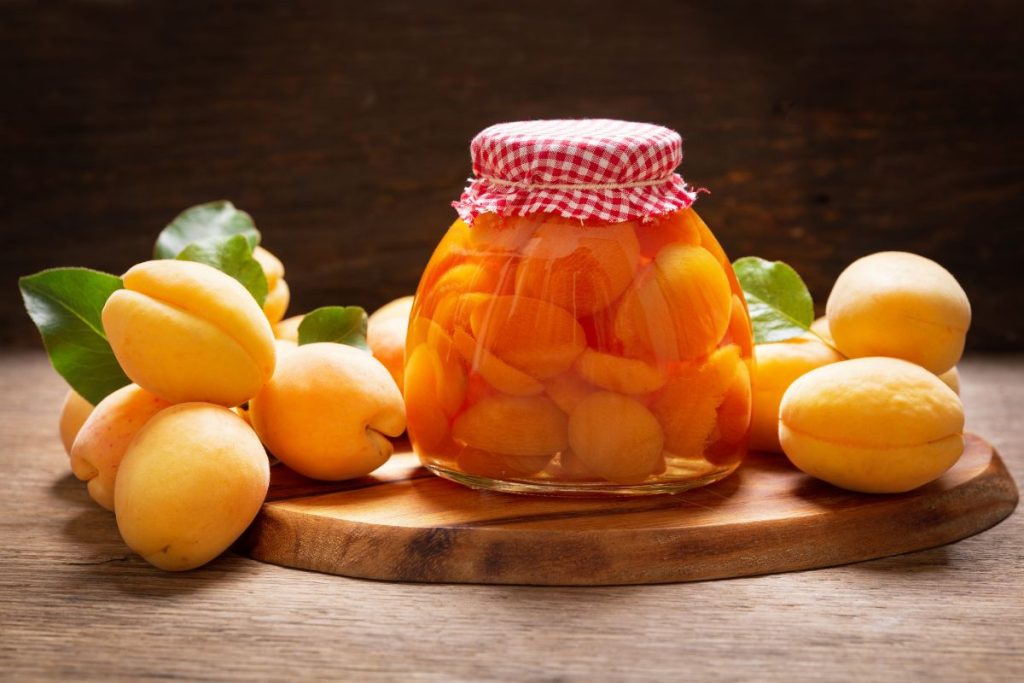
{"points": [[288, 328], [189, 484], [580, 268], [278, 293], [104, 438], [875, 425], [679, 307], [951, 378], [187, 332], [777, 366], [73, 414], [899, 305], [615, 437], [386, 335], [328, 410], [513, 425], [531, 335]]}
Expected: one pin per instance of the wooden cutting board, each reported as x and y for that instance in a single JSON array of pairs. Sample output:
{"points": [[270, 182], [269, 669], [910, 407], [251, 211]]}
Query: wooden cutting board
{"points": [[405, 524]]}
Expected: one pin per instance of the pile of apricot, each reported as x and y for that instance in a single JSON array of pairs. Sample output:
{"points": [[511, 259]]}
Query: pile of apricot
{"points": [[555, 352], [867, 400], [180, 455]]}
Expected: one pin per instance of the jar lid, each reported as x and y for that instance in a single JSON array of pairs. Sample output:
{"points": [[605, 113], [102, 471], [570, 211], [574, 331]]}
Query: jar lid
{"points": [[613, 171]]}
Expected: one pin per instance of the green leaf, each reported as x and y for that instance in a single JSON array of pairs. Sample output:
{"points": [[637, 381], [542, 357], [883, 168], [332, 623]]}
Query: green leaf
{"points": [[204, 222], [779, 303], [65, 304], [231, 254], [339, 324]]}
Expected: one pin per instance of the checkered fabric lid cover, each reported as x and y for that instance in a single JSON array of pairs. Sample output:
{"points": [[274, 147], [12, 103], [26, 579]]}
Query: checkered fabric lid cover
{"points": [[608, 170]]}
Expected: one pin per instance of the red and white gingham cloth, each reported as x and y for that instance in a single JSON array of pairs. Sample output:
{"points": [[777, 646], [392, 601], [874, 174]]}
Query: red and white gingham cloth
{"points": [[613, 171]]}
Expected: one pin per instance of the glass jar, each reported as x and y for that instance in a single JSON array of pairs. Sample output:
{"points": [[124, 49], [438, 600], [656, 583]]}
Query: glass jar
{"points": [[571, 354]]}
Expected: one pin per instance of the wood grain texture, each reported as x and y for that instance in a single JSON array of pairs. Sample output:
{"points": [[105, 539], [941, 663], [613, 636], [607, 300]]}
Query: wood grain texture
{"points": [[403, 524], [824, 130], [74, 603]]}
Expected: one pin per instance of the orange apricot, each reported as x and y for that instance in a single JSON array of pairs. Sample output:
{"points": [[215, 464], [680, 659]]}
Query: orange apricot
{"points": [[687, 406], [426, 420], [624, 375], [289, 328], [493, 233], [566, 390], [582, 269], [73, 415], [497, 372], [679, 307], [531, 335], [513, 425], [678, 227], [385, 334], [453, 312], [616, 437]]}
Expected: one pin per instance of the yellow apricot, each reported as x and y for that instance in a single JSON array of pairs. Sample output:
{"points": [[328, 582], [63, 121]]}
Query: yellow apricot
{"points": [[899, 305], [580, 268], [615, 437], [278, 294], [615, 373], [513, 425], [566, 390], [497, 372], [531, 335], [187, 332], [327, 411], [687, 406], [101, 445], [876, 425], [288, 328], [396, 308], [951, 378], [73, 415], [777, 366], [190, 483], [276, 303], [820, 328], [678, 309], [272, 267], [386, 333]]}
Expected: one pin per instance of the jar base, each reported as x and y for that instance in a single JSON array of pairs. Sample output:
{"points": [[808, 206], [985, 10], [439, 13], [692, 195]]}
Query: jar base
{"points": [[562, 489]]}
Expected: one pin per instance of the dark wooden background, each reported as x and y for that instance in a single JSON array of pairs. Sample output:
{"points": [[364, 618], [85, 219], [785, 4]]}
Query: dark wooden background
{"points": [[825, 130]]}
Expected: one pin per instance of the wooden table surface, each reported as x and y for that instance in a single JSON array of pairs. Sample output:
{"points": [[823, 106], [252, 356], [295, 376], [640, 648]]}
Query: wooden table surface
{"points": [[74, 602]]}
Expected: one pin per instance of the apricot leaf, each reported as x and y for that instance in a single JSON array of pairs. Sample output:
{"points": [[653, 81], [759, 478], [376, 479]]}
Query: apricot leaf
{"points": [[202, 222], [780, 304], [65, 304], [339, 324], [231, 254]]}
